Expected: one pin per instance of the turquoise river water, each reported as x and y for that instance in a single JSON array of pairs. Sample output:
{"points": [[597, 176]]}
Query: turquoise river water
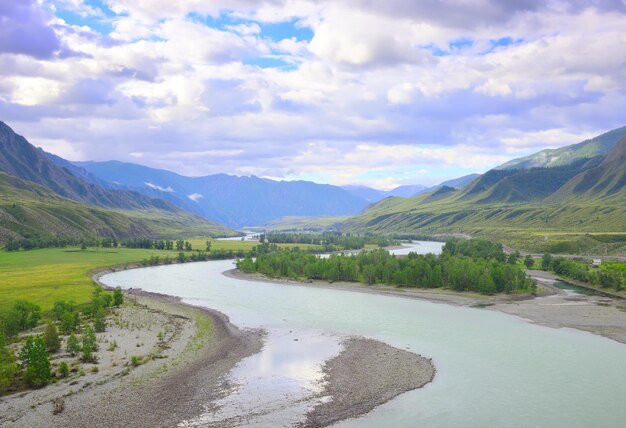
{"points": [[493, 369]]}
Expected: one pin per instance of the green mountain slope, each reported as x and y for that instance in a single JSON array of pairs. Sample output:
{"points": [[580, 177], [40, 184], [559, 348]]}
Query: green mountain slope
{"points": [[30, 210], [597, 146], [532, 207], [605, 183], [21, 159]]}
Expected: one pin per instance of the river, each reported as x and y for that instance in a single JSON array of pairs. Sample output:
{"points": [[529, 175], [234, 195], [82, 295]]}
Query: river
{"points": [[493, 369]]}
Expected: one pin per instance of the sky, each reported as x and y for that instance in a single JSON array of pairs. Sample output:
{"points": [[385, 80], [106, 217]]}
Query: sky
{"points": [[380, 93]]}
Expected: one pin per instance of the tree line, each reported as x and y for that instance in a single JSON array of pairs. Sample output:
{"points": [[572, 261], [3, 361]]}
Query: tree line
{"points": [[63, 242], [331, 241], [478, 266], [606, 276]]}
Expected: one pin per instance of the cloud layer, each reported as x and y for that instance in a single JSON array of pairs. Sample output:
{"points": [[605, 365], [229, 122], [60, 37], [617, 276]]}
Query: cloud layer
{"points": [[353, 91]]}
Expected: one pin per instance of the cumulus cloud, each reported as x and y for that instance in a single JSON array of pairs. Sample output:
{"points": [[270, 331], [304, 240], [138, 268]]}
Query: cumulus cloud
{"points": [[337, 91], [24, 29]]}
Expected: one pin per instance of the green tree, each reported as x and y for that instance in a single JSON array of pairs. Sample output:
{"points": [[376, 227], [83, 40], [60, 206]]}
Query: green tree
{"points": [[118, 297], [513, 257], [35, 362], [486, 284], [90, 345], [8, 367], [69, 322], [61, 307], [26, 313], [72, 346], [100, 321], [529, 261], [51, 338], [208, 246], [546, 261]]}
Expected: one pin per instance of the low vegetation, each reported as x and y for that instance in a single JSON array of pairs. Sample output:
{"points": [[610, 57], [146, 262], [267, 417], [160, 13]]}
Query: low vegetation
{"points": [[611, 276], [19, 334], [329, 241]]}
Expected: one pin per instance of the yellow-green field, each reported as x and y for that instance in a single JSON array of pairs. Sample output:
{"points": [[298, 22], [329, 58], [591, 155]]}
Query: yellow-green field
{"points": [[46, 275], [236, 245]]}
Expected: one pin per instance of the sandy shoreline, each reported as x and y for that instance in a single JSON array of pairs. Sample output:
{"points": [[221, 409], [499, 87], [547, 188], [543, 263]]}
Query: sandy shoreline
{"points": [[550, 306], [189, 372], [366, 374], [184, 375]]}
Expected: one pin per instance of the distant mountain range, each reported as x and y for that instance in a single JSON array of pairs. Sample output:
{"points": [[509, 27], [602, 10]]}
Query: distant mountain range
{"points": [[579, 188], [242, 201], [42, 197], [407, 191], [230, 200]]}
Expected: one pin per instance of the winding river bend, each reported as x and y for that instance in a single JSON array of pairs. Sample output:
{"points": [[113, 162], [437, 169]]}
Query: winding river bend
{"points": [[493, 370]]}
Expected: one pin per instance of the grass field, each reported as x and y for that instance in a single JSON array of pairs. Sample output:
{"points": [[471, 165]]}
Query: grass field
{"points": [[46, 275], [236, 245]]}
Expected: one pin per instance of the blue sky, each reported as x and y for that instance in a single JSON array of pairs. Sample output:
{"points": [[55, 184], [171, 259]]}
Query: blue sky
{"points": [[343, 92]]}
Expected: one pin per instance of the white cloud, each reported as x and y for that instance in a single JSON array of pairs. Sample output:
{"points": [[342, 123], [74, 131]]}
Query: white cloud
{"points": [[381, 85], [195, 197], [167, 189]]}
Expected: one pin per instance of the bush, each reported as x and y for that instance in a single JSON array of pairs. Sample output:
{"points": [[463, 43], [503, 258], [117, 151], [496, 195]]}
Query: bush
{"points": [[90, 345], [8, 368], [22, 316], [118, 297], [35, 362], [51, 338], [100, 321], [135, 360], [64, 369], [73, 346], [69, 322]]}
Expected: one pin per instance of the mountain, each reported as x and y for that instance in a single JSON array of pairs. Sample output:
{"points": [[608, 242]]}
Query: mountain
{"points": [[563, 156], [374, 195], [407, 191], [21, 159], [231, 200], [368, 194], [40, 196], [456, 183], [29, 210], [604, 183], [533, 207]]}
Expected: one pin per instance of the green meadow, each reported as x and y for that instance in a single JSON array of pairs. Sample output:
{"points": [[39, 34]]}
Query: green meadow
{"points": [[46, 275], [43, 276]]}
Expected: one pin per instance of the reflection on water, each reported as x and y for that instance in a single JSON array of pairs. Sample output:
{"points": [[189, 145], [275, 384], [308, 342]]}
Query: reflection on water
{"points": [[277, 386], [493, 370]]}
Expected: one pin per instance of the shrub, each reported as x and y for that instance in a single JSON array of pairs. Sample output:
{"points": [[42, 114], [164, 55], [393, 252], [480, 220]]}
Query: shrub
{"points": [[90, 345], [118, 297], [73, 346], [51, 338], [64, 369], [35, 362], [8, 368], [135, 360], [100, 321]]}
